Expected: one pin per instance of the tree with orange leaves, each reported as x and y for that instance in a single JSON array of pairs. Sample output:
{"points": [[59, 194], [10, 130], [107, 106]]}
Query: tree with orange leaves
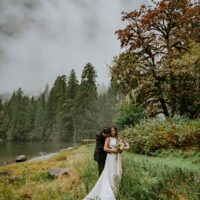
{"points": [[153, 38]]}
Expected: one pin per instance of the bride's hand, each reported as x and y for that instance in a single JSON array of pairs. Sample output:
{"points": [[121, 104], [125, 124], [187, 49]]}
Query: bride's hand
{"points": [[115, 150], [119, 151]]}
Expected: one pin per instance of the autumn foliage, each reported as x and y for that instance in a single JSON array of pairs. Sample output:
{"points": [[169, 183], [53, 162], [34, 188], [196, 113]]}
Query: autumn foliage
{"points": [[154, 40]]}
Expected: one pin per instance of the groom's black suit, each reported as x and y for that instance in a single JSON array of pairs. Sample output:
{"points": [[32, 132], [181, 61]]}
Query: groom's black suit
{"points": [[99, 153]]}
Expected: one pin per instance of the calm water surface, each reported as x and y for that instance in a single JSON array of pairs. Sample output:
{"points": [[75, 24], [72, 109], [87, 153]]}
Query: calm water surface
{"points": [[10, 150]]}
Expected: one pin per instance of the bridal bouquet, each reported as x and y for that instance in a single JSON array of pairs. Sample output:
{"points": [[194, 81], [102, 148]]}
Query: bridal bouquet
{"points": [[122, 145]]}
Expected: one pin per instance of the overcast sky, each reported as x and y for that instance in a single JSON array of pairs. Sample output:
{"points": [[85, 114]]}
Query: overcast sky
{"points": [[41, 39]]}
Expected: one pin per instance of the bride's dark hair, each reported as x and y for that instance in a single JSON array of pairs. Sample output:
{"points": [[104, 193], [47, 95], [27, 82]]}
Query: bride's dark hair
{"points": [[115, 130]]}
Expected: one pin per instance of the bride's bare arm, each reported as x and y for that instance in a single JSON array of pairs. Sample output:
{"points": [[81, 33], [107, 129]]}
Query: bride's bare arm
{"points": [[106, 146]]}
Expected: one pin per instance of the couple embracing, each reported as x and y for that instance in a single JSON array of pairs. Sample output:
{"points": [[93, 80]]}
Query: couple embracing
{"points": [[108, 158]]}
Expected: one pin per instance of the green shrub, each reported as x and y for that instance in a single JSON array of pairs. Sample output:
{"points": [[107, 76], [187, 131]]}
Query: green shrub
{"points": [[128, 115], [151, 135]]}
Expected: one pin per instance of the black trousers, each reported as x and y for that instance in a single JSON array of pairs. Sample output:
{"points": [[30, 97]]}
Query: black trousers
{"points": [[101, 167]]}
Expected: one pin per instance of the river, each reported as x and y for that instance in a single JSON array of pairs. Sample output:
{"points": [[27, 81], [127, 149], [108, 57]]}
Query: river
{"points": [[10, 150]]}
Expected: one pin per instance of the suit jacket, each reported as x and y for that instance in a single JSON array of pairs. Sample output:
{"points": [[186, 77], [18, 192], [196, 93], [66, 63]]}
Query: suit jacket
{"points": [[99, 153]]}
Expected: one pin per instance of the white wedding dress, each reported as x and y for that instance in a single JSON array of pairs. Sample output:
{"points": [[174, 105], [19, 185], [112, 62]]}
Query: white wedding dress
{"points": [[108, 182]]}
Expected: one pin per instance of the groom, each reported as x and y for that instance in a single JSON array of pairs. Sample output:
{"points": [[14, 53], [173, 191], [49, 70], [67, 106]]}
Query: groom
{"points": [[99, 153]]}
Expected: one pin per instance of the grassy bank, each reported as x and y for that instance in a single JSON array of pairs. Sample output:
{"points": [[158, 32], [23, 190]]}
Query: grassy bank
{"points": [[33, 181], [169, 176]]}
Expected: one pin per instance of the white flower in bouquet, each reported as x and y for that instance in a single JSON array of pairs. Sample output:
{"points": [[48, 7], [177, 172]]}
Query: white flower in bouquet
{"points": [[122, 145]]}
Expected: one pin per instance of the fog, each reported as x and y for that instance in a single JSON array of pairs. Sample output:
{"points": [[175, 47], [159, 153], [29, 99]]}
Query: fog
{"points": [[41, 39]]}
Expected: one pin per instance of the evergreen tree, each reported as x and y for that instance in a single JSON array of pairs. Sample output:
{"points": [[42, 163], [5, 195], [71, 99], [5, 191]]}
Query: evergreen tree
{"points": [[106, 106], [2, 131], [57, 97], [65, 126], [64, 117], [68, 112], [4, 126], [32, 111], [85, 105], [39, 123], [72, 86], [46, 92], [5, 121], [20, 125]]}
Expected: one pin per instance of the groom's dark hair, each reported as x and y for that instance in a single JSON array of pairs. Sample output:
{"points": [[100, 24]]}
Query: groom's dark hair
{"points": [[106, 130]]}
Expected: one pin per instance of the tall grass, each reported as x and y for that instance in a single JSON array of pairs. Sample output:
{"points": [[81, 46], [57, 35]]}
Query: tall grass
{"points": [[145, 178], [33, 181]]}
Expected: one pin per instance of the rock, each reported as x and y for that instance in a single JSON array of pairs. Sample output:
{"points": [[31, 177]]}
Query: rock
{"points": [[21, 158], [44, 157], [62, 150], [15, 179], [54, 173], [68, 149], [42, 153], [72, 148]]}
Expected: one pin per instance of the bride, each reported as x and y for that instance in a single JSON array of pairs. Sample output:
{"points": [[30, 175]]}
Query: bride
{"points": [[107, 184]]}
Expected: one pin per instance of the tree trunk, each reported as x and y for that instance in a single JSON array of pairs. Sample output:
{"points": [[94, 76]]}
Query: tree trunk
{"points": [[183, 102], [163, 105], [161, 98], [172, 94]]}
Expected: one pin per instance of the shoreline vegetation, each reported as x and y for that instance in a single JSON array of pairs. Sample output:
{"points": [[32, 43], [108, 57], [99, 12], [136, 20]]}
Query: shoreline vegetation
{"points": [[169, 175], [46, 155]]}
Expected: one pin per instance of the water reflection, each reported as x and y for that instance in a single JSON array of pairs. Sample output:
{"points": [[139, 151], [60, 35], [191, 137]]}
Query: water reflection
{"points": [[10, 150]]}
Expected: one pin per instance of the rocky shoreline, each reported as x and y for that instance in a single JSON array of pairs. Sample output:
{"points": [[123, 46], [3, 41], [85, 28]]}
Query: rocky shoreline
{"points": [[49, 155], [43, 156]]}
